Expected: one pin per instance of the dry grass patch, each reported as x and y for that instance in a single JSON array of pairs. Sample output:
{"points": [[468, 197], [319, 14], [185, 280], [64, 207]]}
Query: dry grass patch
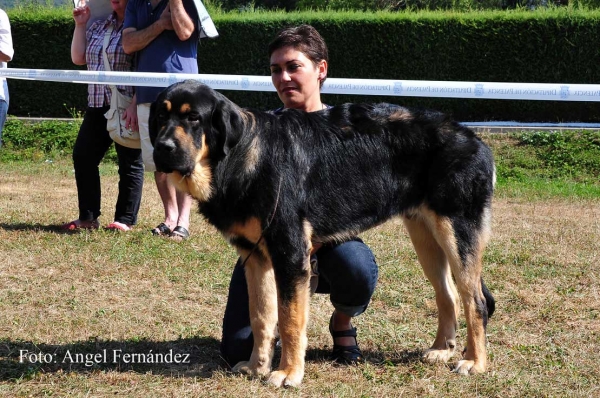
{"points": [[94, 292]]}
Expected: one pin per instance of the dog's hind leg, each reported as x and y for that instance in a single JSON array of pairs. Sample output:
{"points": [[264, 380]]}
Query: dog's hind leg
{"points": [[262, 294], [437, 270], [463, 241]]}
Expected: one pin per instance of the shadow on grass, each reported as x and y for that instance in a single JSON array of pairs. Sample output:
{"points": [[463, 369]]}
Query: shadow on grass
{"points": [[373, 357], [36, 227], [191, 357]]}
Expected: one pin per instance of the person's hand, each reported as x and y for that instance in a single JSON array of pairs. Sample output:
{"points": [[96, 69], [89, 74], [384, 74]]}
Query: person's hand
{"points": [[165, 18], [81, 14], [131, 118]]}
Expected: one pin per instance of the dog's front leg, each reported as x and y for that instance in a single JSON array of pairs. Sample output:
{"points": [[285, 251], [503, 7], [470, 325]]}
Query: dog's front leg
{"points": [[262, 294], [294, 294]]}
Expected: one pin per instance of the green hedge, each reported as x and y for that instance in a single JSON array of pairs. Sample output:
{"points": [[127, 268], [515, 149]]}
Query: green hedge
{"points": [[549, 46]]}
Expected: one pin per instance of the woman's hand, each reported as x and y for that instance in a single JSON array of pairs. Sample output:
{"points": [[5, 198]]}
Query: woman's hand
{"points": [[81, 14]]}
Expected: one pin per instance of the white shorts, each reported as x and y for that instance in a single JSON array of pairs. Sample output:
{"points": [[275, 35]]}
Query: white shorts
{"points": [[143, 112]]}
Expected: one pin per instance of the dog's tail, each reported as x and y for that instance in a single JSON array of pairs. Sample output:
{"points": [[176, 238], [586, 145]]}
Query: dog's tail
{"points": [[489, 299]]}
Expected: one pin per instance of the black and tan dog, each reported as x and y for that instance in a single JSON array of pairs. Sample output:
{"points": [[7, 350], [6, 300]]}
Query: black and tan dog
{"points": [[275, 185]]}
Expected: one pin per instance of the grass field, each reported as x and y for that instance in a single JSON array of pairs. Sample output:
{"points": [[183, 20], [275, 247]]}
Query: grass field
{"points": [[103, 297]]}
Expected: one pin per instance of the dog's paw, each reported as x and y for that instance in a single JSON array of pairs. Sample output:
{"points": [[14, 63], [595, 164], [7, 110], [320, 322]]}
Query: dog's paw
{"points": [[282, 378], [467, 367], [433, 355], [245, 367]]}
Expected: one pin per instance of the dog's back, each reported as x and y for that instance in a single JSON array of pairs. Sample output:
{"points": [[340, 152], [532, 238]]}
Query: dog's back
{"points": [[364, 163]]}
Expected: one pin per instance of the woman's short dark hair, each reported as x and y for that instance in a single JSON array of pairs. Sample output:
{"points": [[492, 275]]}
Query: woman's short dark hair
{"points": [[303, 38]]}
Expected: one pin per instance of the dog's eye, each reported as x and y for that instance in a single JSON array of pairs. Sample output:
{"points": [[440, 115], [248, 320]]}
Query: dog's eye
{"points": [[193, 117]]}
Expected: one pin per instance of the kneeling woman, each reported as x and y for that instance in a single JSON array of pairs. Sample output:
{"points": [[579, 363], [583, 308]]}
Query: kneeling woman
{"points": [[346, 271]]}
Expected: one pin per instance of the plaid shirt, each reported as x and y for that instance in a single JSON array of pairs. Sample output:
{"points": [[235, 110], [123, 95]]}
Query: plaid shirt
{"points": [[99, 94]]}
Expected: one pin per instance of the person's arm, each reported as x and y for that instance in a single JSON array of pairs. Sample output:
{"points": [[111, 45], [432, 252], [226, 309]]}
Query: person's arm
{"points": [[81, 15], [6, 44], [136, 40], [183, 24], [5, 57]]}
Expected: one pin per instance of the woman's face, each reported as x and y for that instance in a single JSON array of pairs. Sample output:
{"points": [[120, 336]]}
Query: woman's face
{"points": [[119, 6], [296, 79]]}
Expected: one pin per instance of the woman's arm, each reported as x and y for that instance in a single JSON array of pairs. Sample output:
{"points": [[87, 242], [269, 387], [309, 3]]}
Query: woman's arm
{"points": [[81, 15], [6, 45]]}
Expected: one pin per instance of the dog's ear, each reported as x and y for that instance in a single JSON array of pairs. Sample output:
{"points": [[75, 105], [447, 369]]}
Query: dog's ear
{"points": [[227, 124]]}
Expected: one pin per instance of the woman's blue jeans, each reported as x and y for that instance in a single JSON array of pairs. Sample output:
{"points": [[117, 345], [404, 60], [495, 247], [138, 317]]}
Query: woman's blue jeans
{"points": [[347, 272]]}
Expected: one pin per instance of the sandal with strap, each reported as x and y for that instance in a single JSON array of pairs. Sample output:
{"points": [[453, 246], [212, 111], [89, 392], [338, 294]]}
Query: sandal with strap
{"points": [[345, 354], [179, 233], [161, 230]]}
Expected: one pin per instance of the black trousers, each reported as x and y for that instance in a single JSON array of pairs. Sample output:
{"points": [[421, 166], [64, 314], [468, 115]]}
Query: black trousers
{"points": [[91, 145]]}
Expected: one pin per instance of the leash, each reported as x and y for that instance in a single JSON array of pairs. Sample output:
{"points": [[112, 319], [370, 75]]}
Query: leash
{"points": [[262, 233]]}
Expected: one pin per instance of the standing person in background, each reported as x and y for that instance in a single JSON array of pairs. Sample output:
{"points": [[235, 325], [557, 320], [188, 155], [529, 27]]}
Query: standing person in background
{"points": [[164, 34], [347, 271], [93, 139], [6, 55]]}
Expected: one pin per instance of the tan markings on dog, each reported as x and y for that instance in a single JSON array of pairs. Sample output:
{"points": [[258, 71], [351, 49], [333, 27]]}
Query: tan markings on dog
{"points": [[338, 237], [262, 294], [253, 155], [185, 108], [435, 266], [308, 233], [314, 273], [199, 183], [249, 119], [402, 115], [293, 319], [184, 139], [167, 105], [251, 229]]}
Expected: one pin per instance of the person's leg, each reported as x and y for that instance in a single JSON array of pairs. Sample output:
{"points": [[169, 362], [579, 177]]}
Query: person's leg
{"points": [[348, 272], [166, 190], [184, 208], [237, 340], [3, 112], [131, 182], [168, 196], [90, 146]]}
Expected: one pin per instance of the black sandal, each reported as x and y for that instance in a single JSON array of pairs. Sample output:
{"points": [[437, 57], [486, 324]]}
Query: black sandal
{"points": [[161, 230], [345, 354], [179, 233]]}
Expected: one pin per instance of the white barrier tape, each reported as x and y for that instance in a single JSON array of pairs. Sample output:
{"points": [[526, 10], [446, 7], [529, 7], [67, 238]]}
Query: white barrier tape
{"points": [[406, 88]]}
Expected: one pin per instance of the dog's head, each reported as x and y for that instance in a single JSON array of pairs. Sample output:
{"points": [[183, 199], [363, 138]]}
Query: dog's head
{"points": [[192, 127]]}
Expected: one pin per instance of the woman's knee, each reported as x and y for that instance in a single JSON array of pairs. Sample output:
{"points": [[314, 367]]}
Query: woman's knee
{"points": [[352, 272]]}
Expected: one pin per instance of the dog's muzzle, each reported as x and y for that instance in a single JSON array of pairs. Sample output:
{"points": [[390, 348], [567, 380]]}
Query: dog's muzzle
{"points": [[169, 157]]}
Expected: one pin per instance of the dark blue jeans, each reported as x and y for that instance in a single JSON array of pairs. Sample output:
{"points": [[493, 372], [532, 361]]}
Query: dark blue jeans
{"points": [[90, 147], [347, 272]]}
